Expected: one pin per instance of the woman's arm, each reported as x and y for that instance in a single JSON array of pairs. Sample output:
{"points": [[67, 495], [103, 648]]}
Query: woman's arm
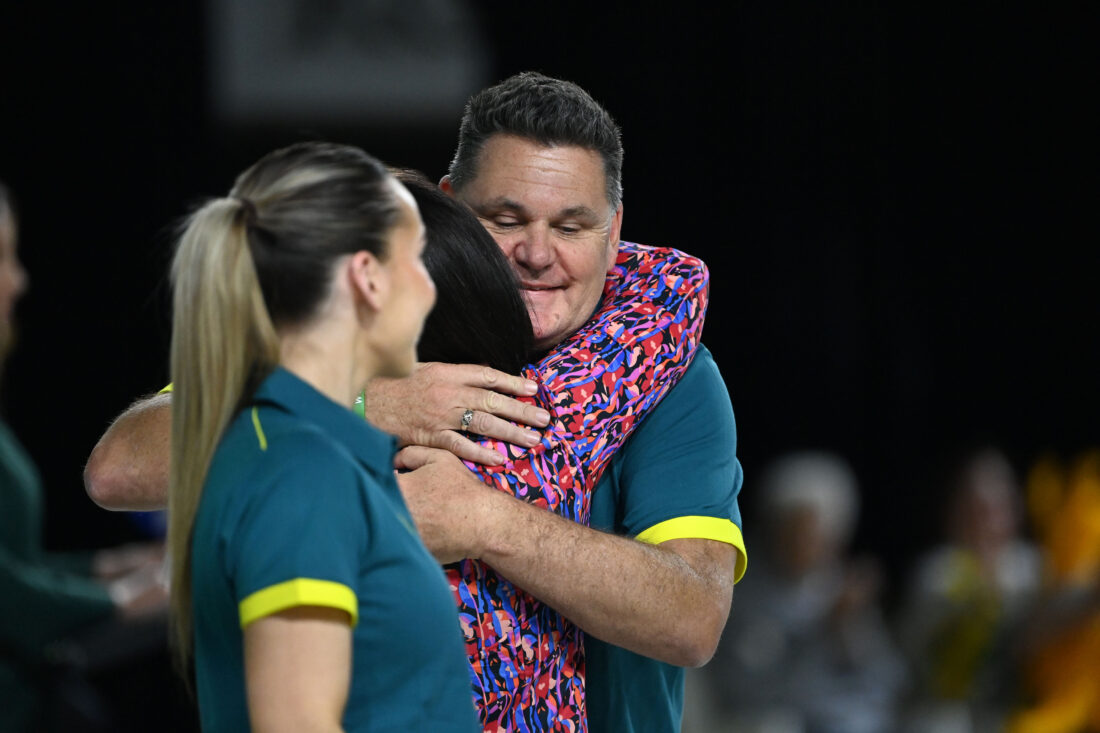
{"points": [[607, 376], [298, 669]]}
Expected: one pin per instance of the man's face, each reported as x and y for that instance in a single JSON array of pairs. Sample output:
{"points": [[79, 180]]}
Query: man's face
{"points": [[547, 209]]}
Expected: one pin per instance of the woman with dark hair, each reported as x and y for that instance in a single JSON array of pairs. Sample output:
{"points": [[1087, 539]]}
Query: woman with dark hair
{"points": [[298, 578], [526, 660], [479, 316]]}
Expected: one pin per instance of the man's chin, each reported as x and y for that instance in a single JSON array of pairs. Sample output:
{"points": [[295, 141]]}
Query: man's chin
{"points": [[544, 339], [549, 338], [552, 328]]}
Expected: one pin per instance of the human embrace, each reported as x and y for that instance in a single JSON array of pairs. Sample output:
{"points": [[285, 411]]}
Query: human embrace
{"points": [[582, 496]]}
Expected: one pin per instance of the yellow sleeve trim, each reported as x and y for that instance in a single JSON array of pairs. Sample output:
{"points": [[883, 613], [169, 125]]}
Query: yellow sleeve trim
{"points": [[259, 428], [700, 528], [299, 592], [166, 389]]}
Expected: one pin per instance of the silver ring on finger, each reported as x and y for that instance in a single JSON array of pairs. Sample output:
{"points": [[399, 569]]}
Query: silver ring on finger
{"points": [[467, 418]]}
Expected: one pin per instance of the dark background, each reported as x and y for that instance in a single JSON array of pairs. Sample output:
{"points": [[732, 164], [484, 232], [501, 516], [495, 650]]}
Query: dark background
{"points": [[891, 203]]}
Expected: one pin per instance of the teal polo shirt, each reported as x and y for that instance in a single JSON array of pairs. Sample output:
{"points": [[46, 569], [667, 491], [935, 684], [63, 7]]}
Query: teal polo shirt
{"points": [[677, 477], [301, 508]]}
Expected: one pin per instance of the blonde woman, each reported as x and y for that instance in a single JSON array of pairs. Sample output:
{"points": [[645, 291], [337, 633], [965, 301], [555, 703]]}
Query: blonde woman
{"points": [[299, 581]]}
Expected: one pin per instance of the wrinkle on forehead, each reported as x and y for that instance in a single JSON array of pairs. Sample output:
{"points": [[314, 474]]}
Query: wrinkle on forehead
{"points": [[556, 166]]}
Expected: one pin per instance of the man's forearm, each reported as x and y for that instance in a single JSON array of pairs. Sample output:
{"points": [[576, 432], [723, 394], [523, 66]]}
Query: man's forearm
{"points": [[128, 468], [669, 601]]}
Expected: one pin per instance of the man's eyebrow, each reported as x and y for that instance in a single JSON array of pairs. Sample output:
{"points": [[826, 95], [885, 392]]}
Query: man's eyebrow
{"points": [[578, 212], [498, 204], [506, 204]]}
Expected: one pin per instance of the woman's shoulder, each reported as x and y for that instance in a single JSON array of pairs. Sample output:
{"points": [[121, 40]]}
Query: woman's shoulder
{"points": [[264, 441]]}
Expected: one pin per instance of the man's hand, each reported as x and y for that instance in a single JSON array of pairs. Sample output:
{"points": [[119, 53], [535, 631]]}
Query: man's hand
{"points": [[615, 588], [449, 505], [426, 409]]}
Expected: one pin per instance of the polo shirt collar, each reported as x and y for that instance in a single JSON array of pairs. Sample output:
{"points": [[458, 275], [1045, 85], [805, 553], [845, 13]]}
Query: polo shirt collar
{"points": [[290, 393]]}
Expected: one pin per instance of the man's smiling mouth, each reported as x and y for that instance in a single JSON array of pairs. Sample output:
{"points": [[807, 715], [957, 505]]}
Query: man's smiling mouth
{"points": [[536, 287]]}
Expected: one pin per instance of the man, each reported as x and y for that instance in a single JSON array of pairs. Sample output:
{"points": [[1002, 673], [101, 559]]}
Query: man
{"points": [[539, 162]]}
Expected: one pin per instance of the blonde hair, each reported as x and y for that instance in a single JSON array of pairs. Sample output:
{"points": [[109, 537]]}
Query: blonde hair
{"points": [[222, 338], [246, 266]]}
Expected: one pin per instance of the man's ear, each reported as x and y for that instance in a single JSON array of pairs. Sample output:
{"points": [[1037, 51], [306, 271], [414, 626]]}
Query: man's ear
{"points": [[369, 281], [613, 237], [445, 186]]}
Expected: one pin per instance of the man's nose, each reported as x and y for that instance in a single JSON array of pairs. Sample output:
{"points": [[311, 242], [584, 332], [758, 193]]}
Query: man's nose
{"points": [[535, 252]]}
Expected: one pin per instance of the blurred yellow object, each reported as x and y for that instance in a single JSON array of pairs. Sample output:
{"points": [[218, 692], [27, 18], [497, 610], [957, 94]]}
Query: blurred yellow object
{"points": [[1045, 486], [1062, 676]]}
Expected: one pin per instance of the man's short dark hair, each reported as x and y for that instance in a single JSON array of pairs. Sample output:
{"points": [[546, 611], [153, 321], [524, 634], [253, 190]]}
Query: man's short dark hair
{"points": [[545, 110]]}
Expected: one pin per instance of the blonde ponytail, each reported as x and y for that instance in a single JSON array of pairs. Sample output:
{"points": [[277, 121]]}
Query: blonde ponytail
{"points": [[223, 342], [245, 265]]}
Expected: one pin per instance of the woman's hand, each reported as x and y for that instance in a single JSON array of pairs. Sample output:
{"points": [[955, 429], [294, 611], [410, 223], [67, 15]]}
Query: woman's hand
{"points": [[427, 409]]}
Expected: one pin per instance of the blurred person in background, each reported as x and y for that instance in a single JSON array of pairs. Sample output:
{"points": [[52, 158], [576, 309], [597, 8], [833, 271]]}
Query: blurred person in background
{"points": [[808, 650], [54, 605], [960, 618]]}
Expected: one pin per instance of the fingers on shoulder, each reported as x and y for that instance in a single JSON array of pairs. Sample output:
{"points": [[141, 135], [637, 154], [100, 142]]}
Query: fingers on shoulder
{"points": [[464, 449], [412, 457], [511, 384]]}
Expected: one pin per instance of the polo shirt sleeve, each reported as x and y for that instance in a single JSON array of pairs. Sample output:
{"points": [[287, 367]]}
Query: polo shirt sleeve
{"points": [[678, 476], [301, 535]]}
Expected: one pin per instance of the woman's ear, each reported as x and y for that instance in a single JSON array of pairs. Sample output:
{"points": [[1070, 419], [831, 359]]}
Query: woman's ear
{"points": [[369, 280]]}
